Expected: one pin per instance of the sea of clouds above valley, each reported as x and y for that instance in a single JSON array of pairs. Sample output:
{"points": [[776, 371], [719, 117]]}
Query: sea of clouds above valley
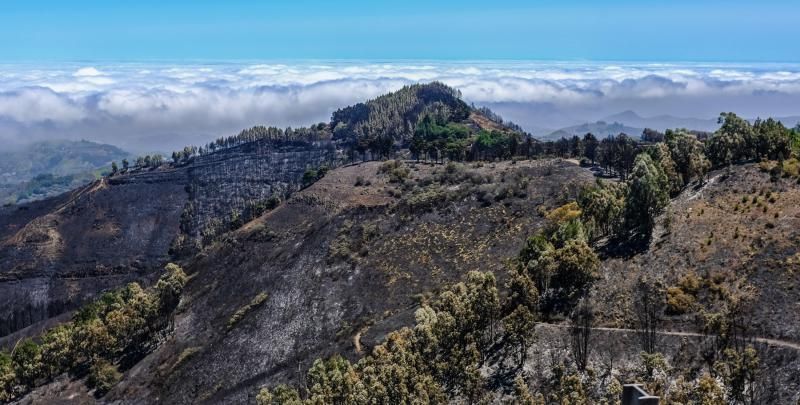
{"points": [[160, 106]]}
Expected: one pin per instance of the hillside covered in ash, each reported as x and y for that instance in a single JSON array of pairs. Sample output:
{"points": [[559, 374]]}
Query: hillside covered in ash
{"points": [[59, 252], [414, 249]]}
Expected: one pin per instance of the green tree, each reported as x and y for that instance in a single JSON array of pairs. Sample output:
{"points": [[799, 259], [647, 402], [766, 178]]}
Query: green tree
{"points": [[58, 351], [688, 155], [521, 290], [732, 142], [708, 391], [536, 258], [335, 381], [114, 168], [569, 390], [602, 207], [575, 267], [522, 393], [519, 327], [93, 340], [27, 359], [617, 153], [646, 198], [661, 155], [397, 373], [590, 145], [7, 377], [740, 371], [569, 230], [772, 140], [103, 376], [170, 286]]}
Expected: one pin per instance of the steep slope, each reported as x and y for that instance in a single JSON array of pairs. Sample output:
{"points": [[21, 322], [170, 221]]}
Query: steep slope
{"points": [[64, 250], [340, 265], [71, 247], [737, 232], [57, 253]]}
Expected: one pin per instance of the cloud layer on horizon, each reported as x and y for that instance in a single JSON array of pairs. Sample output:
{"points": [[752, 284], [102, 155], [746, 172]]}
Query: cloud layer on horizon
{"points": [[160, 106]]}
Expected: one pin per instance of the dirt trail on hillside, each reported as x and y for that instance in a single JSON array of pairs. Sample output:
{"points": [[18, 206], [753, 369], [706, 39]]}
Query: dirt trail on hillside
{"points": [[769, 341]]}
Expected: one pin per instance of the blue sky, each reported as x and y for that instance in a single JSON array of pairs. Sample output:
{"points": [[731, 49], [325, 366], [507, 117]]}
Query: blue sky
{"points": [[161, 74], [644, 30]]}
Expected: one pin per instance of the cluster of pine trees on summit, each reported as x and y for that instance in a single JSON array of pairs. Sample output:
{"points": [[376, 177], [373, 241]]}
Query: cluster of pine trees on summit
{"points": [[429, 119], [433, 123]]}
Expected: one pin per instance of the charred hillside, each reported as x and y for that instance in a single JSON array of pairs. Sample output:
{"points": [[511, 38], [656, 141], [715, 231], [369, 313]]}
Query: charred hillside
{"points": [[341, 264], [57, 253], [475, 266]]}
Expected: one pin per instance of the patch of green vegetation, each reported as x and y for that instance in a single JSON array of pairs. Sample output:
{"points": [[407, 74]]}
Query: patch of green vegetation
{"points": [[311, 175], [102, 377], [351, 242], [397, 171], [102, 336], [185, 355], [240, 313]]}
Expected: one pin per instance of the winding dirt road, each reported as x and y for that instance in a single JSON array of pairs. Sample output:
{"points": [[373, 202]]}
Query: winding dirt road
{"points": [[768, 341]]}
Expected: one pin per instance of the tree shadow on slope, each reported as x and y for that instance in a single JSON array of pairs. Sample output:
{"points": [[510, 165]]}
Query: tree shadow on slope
{"points": [[623, 246]]}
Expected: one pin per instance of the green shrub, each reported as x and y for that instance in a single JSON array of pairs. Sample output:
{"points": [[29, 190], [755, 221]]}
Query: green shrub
{"points": [[678, 301], [396, 170], [360, 182], [102, 377], [243, 311], [425, 199], [309, 177]]}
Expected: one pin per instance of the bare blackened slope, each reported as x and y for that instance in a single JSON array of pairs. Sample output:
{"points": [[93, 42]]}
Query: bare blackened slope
{"points": [[100, 237], [229, 183], [341, 265], [57, 253]]}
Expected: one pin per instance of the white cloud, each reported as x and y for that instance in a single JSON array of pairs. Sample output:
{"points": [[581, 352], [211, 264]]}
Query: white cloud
{"points": [[151, 106], [88, 72], [37, 105]]}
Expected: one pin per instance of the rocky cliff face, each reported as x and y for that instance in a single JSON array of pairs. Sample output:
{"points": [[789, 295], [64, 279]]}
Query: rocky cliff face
{"points": [[58, 253]]}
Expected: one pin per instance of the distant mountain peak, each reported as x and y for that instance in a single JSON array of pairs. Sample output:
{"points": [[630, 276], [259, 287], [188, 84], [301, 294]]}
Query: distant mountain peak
{"points": [[624, 117]]}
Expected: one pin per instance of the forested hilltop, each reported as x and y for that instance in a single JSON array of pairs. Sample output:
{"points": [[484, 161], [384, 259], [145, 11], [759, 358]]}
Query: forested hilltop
{"points": [[417, 249], [429, 120]]}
